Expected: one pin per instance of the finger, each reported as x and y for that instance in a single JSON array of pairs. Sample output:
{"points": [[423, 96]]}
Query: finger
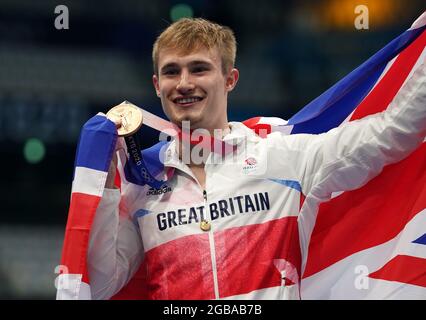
{"points": [[120, 144], [117, 122]]}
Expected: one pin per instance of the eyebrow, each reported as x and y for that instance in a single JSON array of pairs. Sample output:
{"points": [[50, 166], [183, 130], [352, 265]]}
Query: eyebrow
{"points": [[190, 64]]}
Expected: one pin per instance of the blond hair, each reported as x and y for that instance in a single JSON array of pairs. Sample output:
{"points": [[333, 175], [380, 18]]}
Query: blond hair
{"points": [[189, 34]]}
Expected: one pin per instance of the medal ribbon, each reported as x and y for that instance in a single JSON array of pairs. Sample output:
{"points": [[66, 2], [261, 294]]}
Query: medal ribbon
{"points": [[137, 171]]}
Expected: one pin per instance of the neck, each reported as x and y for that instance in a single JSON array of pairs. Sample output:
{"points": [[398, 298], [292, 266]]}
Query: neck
{"points": [[189, 146]]}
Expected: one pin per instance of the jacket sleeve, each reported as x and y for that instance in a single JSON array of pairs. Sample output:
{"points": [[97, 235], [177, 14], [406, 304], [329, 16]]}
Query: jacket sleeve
{"points": [[347, 157], [115, 247]]}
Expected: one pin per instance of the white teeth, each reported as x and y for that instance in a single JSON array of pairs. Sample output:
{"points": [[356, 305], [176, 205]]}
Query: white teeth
{"points": [[188, 100]]}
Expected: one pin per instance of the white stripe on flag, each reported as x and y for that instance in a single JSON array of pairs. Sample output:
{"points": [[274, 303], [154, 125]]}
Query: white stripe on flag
{"points": [[385, 71], [418, 63], [70, 287], [89, 181], [277, 124], [388, 66], [420, 22]]}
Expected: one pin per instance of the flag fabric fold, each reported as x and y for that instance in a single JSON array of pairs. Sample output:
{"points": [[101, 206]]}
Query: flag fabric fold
{"points": [[94, 153]]}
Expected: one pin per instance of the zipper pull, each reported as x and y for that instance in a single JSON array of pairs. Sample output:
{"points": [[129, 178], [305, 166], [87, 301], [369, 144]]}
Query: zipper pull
{"points": [[205, 195]]}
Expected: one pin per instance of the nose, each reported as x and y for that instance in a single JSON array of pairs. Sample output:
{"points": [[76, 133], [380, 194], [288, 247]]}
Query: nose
{"points": [[185, 84]]}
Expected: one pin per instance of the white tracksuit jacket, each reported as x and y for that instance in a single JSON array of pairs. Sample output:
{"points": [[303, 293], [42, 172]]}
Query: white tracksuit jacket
{"points": [[256, 245]]}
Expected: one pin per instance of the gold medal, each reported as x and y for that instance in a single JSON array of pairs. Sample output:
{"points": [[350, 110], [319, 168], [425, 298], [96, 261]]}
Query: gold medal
{"points": [[205, 225], [130, 117]]}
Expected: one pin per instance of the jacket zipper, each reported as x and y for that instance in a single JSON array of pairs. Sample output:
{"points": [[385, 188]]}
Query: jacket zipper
{"points": [[212, 251]]}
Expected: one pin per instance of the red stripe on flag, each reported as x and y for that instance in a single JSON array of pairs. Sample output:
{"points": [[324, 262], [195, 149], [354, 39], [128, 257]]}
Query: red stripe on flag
{"points": [[261, 129], [250, 123], [405, 269], [180, 269], [80, 217], [246, 255], [368, 216], [384, 92], [117, 180]]}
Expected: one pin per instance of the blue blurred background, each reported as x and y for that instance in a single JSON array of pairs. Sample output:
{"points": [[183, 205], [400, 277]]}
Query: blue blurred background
{"points": [[52, 81]]}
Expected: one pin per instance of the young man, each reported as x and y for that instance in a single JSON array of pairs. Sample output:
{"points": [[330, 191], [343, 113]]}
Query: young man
{"points": [[233, 229]]}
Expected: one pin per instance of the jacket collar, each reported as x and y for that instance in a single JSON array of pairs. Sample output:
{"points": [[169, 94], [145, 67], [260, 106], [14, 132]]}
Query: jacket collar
{"points": [[239, 133]]}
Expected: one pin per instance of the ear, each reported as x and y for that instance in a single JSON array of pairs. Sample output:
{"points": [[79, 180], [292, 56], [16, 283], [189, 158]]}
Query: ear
{"points": [[155, 81], [232, 79]]}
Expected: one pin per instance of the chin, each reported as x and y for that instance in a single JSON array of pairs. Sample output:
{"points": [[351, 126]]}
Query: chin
{"points": [[194, 119], [194, 123]]}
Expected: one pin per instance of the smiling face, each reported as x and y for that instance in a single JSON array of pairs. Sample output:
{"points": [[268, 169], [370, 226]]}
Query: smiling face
{"points": [[193, 87]]}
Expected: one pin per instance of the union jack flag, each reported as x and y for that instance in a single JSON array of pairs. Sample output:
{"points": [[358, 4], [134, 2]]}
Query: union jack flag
{"points": [[368, 243]]}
